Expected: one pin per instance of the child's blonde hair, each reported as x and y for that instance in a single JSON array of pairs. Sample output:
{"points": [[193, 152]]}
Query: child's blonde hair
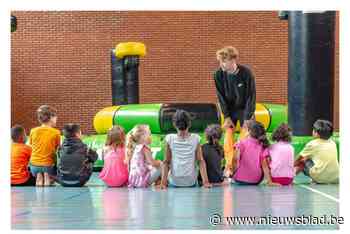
{"points": [[134, 137], [115, 135], [227, 53]]}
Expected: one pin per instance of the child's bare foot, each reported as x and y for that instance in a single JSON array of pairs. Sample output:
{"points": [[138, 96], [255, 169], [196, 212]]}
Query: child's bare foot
{"points": [[273, 184], [47, 180], [228, 173], [158, 182], [39, 180]]}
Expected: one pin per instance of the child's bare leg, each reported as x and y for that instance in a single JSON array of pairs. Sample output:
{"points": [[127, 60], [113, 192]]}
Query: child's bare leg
{"points": [[155, 175], [39, 179], [47, 180]]}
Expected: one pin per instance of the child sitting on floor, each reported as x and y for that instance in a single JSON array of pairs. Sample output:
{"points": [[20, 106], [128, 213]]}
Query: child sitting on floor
{"points": [[318, 159], [143, 169], [183, 150], [115, 170], [278, 159], [247, 162], [44, 140], [213, 155], [20, 155], [76, 160]]}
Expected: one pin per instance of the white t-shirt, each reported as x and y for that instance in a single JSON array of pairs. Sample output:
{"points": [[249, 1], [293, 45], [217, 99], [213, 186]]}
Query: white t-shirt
{"points": [[183, 172]]}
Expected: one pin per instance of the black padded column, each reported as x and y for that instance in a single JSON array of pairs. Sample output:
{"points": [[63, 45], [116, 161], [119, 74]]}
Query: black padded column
{"points": [[310, 69], [131, 65], [118, 80]]}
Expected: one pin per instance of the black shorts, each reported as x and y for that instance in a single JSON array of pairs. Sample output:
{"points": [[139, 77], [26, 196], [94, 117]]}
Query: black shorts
{"points": [[237, 116], [308, 164]]}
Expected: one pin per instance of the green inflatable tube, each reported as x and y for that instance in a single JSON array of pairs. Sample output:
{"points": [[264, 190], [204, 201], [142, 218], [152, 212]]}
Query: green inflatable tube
{"points": [[130, 115], [278, 115]]}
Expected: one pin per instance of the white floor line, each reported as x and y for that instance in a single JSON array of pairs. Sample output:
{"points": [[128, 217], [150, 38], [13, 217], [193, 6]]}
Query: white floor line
{"points": [[319, 192]]}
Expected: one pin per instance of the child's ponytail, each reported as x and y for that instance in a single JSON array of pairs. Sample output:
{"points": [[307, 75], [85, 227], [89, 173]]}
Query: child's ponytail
{"points": [[264, 141], [213, 133], [130, 146], [257, 131]]}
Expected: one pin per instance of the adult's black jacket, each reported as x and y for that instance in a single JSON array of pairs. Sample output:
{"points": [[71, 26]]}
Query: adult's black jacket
{"points": [[236, 92]]}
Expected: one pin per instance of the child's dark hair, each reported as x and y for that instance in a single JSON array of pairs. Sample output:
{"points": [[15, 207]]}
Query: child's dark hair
{"points": [[324, 128], [69, 130], [257, 131], [213, 134], [45, 113], [282, 133], [16, 132], [115, 135], [182, 120]]}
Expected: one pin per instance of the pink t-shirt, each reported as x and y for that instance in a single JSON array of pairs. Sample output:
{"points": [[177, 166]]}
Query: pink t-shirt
{"points": [[249, 162], [281, 159], [115, 171]]}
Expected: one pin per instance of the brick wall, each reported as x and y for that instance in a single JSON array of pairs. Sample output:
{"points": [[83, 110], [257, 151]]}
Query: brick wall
{"points": [[63, 58]]}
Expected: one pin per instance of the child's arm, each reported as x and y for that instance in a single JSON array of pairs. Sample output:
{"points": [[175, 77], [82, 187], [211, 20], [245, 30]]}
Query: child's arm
{"points": [[165, 169], [235, 157], [202, 167], [57, 141], [305, 154], [267, 173], [149, 158], [91, 155]]}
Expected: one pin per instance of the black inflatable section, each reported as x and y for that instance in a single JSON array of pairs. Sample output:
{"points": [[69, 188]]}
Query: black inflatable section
{"points": [[202, 115], [131, 66], [118, 81], [310, 69]]}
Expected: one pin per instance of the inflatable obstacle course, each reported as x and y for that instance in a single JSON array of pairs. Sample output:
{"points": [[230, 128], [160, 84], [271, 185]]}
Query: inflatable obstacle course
{"points": [[159, 118]]}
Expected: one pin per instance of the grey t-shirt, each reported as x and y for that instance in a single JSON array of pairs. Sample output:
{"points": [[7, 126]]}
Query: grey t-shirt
{"points": [[183, 172]]}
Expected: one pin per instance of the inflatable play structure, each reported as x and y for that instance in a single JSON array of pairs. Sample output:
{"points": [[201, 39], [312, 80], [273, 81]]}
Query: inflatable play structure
{"points": [[158, 117], [310, 92]]}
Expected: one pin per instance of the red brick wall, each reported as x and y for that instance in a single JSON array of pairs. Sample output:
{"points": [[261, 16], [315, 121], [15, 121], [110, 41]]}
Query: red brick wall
{"points": [[63, 58]]}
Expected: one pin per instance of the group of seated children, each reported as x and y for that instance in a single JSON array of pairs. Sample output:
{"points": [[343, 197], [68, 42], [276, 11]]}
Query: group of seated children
{"points": [[128, 158]]}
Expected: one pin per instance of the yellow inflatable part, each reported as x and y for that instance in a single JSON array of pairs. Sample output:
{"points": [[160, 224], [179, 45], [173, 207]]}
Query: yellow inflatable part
{"points": [[103, 120], [130, 48], [262, 115]]}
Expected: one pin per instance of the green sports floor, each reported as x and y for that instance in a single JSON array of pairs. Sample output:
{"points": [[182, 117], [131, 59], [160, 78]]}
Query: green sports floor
{"points": [[96, 206]]}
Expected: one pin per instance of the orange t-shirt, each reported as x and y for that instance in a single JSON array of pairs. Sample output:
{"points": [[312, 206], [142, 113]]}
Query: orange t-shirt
{"points": [[44, 141], [20, 155]]}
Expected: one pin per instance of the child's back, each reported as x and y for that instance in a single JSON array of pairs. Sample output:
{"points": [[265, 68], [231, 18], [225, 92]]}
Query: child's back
{"points": [[20, 155], [115, 171], [323, 153], [281, 162], [75, 162], [44, 141], [249, 168], [182, 165], [140, 172], [213, 156]]}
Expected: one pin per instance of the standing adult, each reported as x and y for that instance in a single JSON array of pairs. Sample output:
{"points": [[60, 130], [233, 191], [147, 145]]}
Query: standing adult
{"points": [[235, 89]]}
